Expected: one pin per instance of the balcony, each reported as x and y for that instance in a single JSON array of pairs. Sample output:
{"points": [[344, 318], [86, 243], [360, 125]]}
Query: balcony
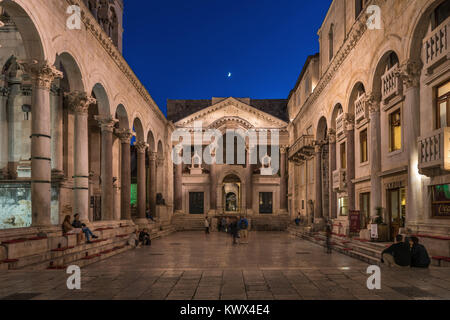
{"points": [[340, 119], [391, 84], [302, 148], [339, 180], [434, 153], [361, 109], [436, 45]]}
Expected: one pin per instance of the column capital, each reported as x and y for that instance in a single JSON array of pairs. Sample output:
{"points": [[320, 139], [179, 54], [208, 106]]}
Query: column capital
{"points": [[331, 135], [106, 123], [283, 149], [410, 72], [349, 122], [125, 135], [42, 72], [79, 102], [372, 103], [141, 146]]}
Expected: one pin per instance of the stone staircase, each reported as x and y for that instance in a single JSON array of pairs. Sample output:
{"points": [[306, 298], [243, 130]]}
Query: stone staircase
{"points": [[188, 222], [57, 251], [369, 252], [269, 223]]}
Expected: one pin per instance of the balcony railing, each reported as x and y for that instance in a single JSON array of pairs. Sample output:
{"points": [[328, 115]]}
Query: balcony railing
{"points": [[361, 110], [434, 152], [304, 146], [340, 124], [390, 83], [339, 180], [436, 46]]}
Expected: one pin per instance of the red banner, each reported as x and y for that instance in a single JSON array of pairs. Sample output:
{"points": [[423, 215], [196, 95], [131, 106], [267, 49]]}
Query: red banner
{"points": [[355, 221]]}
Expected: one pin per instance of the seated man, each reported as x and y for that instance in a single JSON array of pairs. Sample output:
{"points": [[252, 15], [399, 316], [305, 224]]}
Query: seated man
{"points": [[87, 232], [419, 255], [68, 229], [144, 237], [298, 220], [398, 254]]}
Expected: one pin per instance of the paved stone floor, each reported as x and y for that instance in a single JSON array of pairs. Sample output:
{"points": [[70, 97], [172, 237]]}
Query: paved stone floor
{"points": [[191, 265]]}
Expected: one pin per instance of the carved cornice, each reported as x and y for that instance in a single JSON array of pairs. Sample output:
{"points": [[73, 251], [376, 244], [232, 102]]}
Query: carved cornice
{"points": [[218, 123], [331, 135], [106, 42], [236, 103], [41, 72], [79, 101]]}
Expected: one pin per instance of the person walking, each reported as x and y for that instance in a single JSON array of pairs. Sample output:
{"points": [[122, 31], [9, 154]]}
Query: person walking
{"points": [[243, 227], [206, 225], [234, 229], [328, 233]]}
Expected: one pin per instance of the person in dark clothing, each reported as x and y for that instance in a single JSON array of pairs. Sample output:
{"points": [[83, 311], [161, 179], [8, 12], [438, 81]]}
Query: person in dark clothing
{"points": [[419, 255], [234, 229], [328, 232], [399, 254], [87, 232], [144, 238]]}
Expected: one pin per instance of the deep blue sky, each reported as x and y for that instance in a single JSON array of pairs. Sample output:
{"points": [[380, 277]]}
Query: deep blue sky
{"points": [[185, 49]]}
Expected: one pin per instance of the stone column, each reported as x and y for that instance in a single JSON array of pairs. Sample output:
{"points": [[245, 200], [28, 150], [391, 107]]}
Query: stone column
{"points": [[56, 103], [410, 72], [107, 127], [153, 181], [375, 154], [283, 180], [79, 102], [317, 184], [350, 154], [125, 136], [249, 184], [42, 75], [332, 166], [177, 183], [141, 148], [4, 150]]}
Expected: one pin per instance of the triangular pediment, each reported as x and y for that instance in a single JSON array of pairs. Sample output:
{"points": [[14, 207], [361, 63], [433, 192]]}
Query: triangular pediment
{"points": [[232, 110]]}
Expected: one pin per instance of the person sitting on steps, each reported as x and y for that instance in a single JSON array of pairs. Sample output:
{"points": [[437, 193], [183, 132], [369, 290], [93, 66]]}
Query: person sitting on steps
{"points": [[69, 229], [87, 232], [144, 238], [398, 254]]}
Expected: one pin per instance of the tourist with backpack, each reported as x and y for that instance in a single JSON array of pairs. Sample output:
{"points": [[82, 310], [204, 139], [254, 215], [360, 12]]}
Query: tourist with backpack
{"points": [[243, 226]]}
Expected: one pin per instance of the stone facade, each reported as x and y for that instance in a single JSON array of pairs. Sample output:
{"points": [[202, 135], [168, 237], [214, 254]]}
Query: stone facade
{"points": [[363, 132], [225, 189], [74, 119]]}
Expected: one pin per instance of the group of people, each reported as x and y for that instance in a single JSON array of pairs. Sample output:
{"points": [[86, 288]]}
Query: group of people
{"points": [[406, 252], [237, 228], [140, 238], [78, 228]]}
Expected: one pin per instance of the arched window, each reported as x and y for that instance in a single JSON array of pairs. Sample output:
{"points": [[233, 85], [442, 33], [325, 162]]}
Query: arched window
{"points": [[331, 42]]}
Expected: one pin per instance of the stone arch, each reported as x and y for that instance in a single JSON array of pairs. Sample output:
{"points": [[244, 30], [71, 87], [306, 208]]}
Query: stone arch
{"points": [[99, 93], [338, 109], [72, 76], [122, 115], [138, 128], [29, 33], [358, 90], [151, 141], [387, 60], [322, 129]]}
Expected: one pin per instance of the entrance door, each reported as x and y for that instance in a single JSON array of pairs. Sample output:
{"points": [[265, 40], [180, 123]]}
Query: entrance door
{"points": [[396, 210], [265, 202], [196, 203]]}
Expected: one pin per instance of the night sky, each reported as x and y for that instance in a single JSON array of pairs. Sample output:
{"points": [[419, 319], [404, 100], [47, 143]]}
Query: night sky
{"points": [[185, 49]]}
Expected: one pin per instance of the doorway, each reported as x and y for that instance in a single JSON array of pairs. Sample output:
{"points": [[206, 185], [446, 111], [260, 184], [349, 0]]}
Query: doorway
{"points": [[396, 211]]}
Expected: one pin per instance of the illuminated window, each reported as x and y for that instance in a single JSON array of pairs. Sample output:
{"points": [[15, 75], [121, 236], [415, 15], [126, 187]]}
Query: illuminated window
{"points": [[443, 106], [343, 156], [343, 206], [395, 125], [363, 146]]}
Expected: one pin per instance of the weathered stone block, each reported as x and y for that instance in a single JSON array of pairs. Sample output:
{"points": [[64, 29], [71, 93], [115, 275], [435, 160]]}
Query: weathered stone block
{"points": [[26, 248]]}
